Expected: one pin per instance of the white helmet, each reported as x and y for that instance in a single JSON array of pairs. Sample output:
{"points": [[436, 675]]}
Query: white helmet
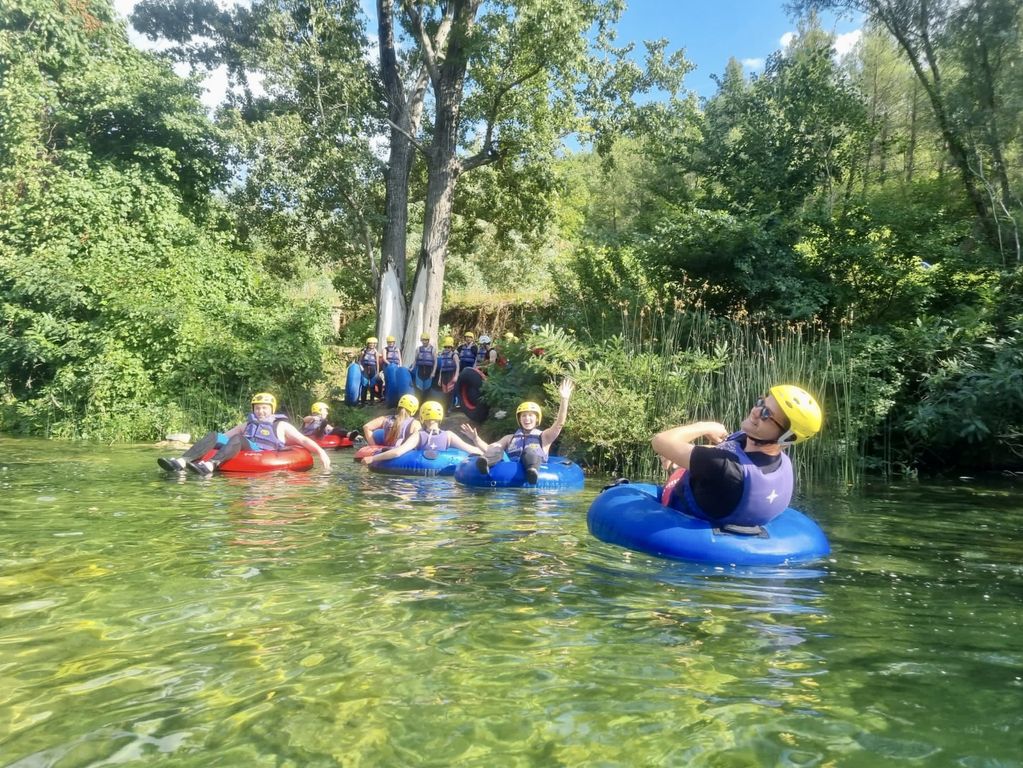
{"points": [[484, 339]]}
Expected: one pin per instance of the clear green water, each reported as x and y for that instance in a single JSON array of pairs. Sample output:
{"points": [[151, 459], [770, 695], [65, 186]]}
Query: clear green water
{"points": [[350, 619]]}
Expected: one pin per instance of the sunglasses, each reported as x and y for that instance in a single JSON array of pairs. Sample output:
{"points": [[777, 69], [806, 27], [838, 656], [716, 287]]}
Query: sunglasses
{"points": [[767, 414]]}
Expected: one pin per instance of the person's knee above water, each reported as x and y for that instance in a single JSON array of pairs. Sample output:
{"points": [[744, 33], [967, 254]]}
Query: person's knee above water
{"points": [[430, 439], [528, 444], [743, 478], [263, 430], [397, 427]]}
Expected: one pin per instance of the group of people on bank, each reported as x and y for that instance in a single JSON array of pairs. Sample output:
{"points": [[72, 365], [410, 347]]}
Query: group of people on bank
{"points": [[431, 368], [742, 478]]}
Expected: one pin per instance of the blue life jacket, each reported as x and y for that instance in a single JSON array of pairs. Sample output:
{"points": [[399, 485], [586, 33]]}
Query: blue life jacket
{"points": [[467, 355], [482, 356], [425, 358], [392, 353], [262, 435], [370, 362], [521, 440], [764, 496], [446, 361]]}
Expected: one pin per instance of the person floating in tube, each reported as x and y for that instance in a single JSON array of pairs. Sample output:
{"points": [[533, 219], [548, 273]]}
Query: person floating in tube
{"points": [[264, 430], [430, 439], [397, 427], [744, 478], [316, 425], [528, 444]]}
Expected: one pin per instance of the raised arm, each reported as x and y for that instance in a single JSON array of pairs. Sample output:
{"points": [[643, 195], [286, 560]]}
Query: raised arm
{"points": [[458, 442], [550, 434], [676, 444]]}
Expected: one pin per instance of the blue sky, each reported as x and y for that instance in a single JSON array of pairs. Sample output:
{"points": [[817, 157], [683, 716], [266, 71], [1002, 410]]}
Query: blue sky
{"points": [[710, 31]]}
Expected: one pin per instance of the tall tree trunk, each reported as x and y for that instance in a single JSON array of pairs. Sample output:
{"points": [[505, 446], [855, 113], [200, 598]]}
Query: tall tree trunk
{"points": [[404, 111], [444, 169], [910, 165], [955, 141]]}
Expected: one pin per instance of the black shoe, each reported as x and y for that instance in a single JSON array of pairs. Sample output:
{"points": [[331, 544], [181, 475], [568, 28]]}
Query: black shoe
{"points": [[481, 466], [203, 468], [354, 434], [171, 465], [532, 476]]}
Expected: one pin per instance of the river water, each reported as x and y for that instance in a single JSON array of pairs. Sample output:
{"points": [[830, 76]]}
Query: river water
{"points": [[351, 619]]}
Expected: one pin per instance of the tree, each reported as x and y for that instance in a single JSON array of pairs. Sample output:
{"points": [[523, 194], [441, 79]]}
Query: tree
{"points": [[924, 30]]}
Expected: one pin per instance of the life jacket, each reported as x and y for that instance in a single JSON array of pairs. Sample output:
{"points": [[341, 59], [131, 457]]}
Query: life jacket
{"points": [[521, 440], [467, 355], [393, 356], [446, 361], [370, 362], [404, 433], [434, 441], [425, 357], [764, 496], [316, 426], [263, 434], [483, 357]]}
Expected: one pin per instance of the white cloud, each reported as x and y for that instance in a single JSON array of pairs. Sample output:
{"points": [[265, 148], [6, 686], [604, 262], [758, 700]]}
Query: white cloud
{"points": [[845, 43], [786, 39], [753, 65]]}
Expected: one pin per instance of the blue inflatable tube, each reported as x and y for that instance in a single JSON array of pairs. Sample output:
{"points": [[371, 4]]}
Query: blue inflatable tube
{"points": [[397, 382], [353, 384], [557, 474], [416, 463], [632, 516]]}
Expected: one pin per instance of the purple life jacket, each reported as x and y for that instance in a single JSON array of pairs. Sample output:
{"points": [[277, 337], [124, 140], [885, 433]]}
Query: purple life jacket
{"points": [[434, 441], [764, 496], [262, 435], [392, 353], [369, 362], [521, 440], [403, 434]]}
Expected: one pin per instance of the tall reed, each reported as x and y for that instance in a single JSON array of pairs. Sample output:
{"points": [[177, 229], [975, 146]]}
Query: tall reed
{"points": [[716, 368]]}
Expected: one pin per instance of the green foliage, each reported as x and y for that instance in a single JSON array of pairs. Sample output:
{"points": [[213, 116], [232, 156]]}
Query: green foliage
{"points": [[120, 298]]}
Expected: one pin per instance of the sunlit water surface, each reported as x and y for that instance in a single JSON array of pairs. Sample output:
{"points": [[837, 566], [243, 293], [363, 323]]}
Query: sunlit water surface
{"points": [[359, 620]]}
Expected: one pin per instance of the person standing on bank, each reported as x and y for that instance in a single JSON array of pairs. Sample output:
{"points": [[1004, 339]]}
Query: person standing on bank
{"points": [[744, 478], [263, 430], [528, 444]]}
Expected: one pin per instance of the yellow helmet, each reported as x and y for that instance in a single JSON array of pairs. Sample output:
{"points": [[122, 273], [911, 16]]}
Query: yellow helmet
{"points": [[391, 339], [449, 341], [317, 407], [424, 336], [371, 339], [529, 407], [431, 411], [265, 398], [470, 335], [801, 409], [409, 403]]}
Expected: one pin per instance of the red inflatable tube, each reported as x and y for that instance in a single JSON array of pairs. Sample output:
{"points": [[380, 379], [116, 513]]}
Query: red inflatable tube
{"points": [[368, 450], [333, 441], [294, 458]]}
